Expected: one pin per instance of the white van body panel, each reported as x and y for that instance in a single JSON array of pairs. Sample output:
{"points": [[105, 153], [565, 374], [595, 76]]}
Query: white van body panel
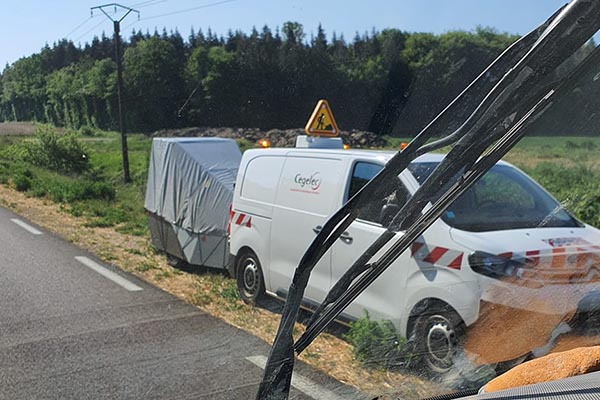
{"points": [[305, 198], [290, 192]]}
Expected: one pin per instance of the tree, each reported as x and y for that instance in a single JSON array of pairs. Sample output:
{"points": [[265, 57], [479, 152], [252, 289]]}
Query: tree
{"points": [[23, 89], [153, 84], [293, 33]]}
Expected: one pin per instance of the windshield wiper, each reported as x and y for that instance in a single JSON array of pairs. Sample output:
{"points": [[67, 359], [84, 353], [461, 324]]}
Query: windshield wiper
{"points": [[496, 108]]}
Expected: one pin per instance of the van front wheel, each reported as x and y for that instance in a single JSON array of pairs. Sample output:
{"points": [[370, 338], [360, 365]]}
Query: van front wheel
{"points": [[439, 333], [249, 277]]}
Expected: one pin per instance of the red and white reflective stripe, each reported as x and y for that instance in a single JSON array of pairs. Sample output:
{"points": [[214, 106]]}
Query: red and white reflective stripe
{"points": [[241, 219], [535, 258], [557, 257], [231, 214], [439, 256]]}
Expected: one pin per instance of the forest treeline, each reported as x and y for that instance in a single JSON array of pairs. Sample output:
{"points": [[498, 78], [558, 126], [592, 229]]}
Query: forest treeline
{"points": [[265, 78]]}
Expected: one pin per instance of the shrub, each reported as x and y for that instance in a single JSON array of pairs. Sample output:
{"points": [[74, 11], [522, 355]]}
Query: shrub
{"points": [[378, 345], [87, 130], [60, 153], [22, 182], [14, 152]]}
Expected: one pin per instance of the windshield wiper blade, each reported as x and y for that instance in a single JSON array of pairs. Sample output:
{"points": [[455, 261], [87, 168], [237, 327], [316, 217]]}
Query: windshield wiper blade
{"points": [[502, 114]]}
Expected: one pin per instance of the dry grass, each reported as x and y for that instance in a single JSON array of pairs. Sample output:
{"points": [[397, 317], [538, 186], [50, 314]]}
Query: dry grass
{"points": [[16, 128], [213, 293]]}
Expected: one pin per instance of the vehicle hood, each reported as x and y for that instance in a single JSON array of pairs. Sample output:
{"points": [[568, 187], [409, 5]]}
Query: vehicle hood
{"points": [[547, 255]]}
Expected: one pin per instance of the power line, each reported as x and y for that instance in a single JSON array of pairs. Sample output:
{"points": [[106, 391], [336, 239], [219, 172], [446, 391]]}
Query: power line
{"points": [[78, 26], [148, 3], [89, 30], [177, 12], [131, 24], [188, 9]]}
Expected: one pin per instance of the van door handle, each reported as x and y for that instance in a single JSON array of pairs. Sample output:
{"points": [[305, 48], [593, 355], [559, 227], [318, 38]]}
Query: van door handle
{"points": [[317, 229], [346, 238]]}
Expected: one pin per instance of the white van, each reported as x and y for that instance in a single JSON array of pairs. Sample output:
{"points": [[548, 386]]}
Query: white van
{"points": [[283, 196]]}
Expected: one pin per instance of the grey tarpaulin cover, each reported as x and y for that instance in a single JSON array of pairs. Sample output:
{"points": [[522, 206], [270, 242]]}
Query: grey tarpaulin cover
{"points": [[190, 188]]}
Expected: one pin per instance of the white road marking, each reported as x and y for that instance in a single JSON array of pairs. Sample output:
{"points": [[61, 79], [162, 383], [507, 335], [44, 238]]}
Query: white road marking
{"points": [[26, 226], [118, 279], [305, 385]]}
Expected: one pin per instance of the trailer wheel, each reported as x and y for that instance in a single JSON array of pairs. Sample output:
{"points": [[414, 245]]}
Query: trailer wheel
{"points": [[249, 277], [438, 334], [175, 261]]}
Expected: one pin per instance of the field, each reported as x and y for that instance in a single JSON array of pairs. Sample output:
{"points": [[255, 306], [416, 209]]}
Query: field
{"points": [[88, 203], [568, 167]]}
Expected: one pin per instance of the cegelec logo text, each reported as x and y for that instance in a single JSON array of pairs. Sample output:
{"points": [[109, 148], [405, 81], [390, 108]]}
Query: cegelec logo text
{"points": [[313, 181]]}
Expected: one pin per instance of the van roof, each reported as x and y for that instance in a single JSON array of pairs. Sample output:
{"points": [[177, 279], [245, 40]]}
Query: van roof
{"points": [[383, 155]]}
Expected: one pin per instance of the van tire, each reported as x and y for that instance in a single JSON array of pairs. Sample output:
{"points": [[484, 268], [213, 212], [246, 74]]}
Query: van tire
{"points": [[249, 277], [438, 334]]}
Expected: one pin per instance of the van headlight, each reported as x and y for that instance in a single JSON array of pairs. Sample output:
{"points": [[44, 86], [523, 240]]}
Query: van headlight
{"points": [[494, 266]]}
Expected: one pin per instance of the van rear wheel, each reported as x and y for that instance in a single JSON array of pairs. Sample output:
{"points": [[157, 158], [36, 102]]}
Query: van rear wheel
{"points": [[249, 277]]}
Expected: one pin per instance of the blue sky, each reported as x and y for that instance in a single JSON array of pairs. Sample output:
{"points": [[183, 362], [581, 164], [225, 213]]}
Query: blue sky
{"points": [[26, 25]]}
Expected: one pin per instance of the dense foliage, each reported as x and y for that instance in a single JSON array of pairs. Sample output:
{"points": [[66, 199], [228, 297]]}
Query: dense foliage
{"points": [[377, 344], [263, 79]]}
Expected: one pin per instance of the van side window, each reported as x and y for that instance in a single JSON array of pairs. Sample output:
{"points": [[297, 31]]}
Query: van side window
{"points": [[363, 172]]}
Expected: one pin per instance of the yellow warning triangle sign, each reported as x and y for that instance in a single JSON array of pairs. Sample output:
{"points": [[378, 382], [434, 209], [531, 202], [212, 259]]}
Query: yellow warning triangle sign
{"points": [[321, 122]]}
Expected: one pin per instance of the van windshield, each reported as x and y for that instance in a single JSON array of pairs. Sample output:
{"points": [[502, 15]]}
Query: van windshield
{"points": [[502, 199]]}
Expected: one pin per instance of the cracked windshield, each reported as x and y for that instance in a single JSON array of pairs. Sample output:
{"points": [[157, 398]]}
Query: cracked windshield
{"points": [[308, 200]]}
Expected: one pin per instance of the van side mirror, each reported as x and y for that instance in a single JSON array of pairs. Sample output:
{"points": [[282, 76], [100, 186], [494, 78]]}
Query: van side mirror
{"points": [[388, 212]]}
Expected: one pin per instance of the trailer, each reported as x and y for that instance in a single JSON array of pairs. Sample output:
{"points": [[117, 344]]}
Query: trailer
{"points": [[188, 197]]}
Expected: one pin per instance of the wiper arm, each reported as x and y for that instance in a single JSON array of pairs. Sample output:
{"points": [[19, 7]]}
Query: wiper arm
{"points": [[499, 117]]}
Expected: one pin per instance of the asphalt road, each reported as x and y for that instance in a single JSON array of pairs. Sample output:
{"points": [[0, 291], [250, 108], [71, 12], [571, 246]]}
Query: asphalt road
{"points": [[75, 328]]}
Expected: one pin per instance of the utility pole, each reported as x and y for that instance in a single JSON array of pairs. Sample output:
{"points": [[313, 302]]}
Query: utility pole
{"points": [[117, 28]]}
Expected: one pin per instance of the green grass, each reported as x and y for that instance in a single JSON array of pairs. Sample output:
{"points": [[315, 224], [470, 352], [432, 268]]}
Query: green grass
{"points": [[563, 151], [159, 276], [98, 194], [145, 266], [394, 142]]}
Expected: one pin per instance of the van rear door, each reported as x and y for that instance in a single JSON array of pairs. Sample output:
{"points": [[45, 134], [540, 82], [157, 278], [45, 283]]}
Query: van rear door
{"points": [[308, 191]]}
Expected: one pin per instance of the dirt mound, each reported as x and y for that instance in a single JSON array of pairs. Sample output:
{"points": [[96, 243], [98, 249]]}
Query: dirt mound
{"points": [[548, 368], [277, 137], [16, 128]]}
